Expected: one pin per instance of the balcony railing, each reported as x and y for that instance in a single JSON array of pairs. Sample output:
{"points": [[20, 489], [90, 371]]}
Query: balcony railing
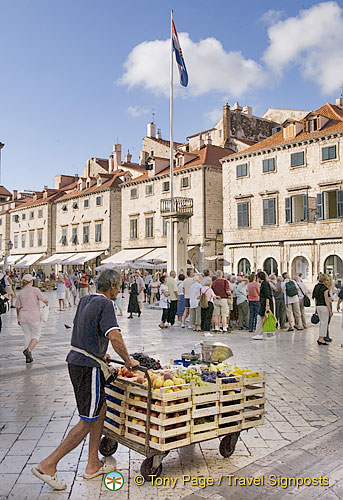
{"points": [[177, 206]]}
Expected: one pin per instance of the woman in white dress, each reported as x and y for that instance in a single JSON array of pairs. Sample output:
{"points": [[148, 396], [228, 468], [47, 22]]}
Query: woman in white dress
{"points": [[61, 292]]}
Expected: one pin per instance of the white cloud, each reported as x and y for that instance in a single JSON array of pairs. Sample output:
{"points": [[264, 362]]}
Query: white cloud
{"points": [[210, 68], [312, 40], [136, 111], [214, 115], [271, 16]]}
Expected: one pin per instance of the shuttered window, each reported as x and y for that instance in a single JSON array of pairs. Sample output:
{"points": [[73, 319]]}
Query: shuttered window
{"points": [[329, 153], [242, 170], [268, 165], [149, 227], [269, 212], [243, 214], [133, 228], [297, 159]]}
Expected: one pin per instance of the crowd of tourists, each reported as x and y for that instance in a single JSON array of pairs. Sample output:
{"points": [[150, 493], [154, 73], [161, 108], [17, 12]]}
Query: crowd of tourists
{"points": [[217, 302]]}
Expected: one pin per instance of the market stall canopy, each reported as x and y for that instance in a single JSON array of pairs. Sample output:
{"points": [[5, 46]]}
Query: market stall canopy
{"points": [[29, 260], [12, 259], [57, 258], [128, 255], [81, 258], [158, 255]]}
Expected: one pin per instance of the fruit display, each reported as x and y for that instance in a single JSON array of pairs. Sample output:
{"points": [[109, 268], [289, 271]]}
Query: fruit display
{"points": [[147, 361]]}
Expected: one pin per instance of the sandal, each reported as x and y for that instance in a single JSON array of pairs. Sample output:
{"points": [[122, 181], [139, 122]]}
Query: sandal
{"points": [[105, 469], [52, 481]]}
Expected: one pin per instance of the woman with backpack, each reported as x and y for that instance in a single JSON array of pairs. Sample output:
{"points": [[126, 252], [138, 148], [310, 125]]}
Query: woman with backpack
{"points": [[291, 291]]}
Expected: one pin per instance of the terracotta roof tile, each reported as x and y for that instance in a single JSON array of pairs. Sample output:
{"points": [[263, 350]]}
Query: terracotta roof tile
{"points": [[4, 191], [335, 124], [114, 181]]}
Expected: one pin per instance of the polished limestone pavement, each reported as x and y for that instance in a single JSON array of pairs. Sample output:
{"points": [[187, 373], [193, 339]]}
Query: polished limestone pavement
{"points": [[301, 433]]}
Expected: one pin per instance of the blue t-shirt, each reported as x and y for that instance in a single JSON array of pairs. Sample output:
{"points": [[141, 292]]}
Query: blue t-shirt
{"points": [[94, 318], [340, 295]]}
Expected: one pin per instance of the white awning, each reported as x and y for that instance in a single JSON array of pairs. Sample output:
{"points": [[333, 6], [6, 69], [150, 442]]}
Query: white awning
{"points": [[57, 258], [29, 260], [12, 259], [128, 255], [160, 255], [81, 258]]}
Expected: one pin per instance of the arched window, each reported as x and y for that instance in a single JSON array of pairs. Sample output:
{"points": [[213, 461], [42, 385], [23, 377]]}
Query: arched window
{"points": [[244, 266], [333, 265], [270, 266], [300, 265]]}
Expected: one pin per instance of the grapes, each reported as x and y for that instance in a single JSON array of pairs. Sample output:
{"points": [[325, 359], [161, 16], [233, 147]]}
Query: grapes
{"points": [[147, 361]]}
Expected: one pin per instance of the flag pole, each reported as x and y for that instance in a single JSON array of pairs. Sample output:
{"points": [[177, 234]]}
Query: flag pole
{"points": [[171, 228]]}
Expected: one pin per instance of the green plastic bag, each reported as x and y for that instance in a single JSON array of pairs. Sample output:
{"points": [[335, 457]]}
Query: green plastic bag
{"points": [[269, 325]]}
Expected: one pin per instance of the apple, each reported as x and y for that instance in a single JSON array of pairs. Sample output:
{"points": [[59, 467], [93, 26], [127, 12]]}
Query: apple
{"points": [[133, 431], [154, 427], [140, 380], [141, 435]]}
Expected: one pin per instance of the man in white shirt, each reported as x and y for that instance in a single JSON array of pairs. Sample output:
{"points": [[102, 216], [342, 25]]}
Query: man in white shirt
{"points": [[147, 280], [241, 294], [174, 297], [301, 293], [140, 285], [186, 286], [291, 291]]}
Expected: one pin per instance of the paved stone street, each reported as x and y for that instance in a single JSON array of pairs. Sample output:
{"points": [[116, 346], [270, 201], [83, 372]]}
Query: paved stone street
{"points": [[303, 414]]}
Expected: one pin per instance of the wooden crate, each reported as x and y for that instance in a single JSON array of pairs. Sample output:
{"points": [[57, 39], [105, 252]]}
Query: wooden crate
{"points": [[115, 397], [202, 431], [205, 394]]}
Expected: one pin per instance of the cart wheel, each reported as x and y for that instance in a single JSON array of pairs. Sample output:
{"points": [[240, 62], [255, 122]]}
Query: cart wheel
{"points": [[108, 446], [228, 444], [147, 469]]}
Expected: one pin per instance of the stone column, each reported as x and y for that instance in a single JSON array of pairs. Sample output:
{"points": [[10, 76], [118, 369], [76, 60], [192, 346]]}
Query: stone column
{"points": [[180, 244]]}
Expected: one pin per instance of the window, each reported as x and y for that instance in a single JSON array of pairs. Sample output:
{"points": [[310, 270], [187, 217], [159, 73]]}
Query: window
{"points": [[40, 213], [15, 241], [85, 237], [184, 182], [149, 227], [23, 216], [243, 214], [133, 193], [31, 238], [268, 165], [296, 208], [15, 218], [297, 159], [329, 153], [188, 226], [165, 186], [98, 232], [98, 201], [330, 204], [23, 240], [164, 226], [39, 238], [133, 228], [64, 241], [64, 208], [74, 238], [269, 212], [242, 170], [75, 206], [85, 203], [148, 189], [32, 214]]}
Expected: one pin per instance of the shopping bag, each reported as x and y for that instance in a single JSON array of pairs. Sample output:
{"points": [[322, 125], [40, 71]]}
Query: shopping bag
{"points": [[44, 313], [269, 325], [307, 301]]}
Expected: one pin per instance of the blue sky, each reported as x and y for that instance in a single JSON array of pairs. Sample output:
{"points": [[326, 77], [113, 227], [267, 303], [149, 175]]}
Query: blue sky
{"points": [[66, 96]]}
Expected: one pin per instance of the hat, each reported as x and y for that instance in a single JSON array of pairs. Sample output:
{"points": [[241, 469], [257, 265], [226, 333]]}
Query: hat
{"points": [[27, 277]]}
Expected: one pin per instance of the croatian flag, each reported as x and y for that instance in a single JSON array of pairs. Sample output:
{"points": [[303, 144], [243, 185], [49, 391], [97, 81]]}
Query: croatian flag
{"points": [[179, 58]]}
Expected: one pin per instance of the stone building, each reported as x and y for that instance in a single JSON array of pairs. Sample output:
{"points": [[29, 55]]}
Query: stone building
{"points": [[33, 224], [283, 199]]}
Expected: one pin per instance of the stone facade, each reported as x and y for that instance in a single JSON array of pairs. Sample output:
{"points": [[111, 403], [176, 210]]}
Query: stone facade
{"points": [[293, 213]]}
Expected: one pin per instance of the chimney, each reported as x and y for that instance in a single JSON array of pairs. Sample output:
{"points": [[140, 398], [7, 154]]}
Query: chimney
{"points": [[226, 126], [116, 156], [143, 157], [15, 194], [159, 134], [128, 157], [339, 102], [151, 129], [247, 110], [110, 164], [88, 168]]}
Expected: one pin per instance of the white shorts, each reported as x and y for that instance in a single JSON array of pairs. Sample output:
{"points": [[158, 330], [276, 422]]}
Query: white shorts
{"points": [[140, 297], [31, 331], [61, 295]]}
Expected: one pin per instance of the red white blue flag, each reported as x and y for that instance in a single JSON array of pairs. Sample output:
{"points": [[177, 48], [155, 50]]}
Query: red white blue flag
{"points": [[179, 58]]}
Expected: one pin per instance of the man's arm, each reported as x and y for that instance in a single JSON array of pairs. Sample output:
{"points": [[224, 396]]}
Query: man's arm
{"points": [[119, 346]]}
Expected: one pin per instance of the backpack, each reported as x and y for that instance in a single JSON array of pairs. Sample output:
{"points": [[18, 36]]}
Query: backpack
{"points": [[291, 289], [203, 301], [4, 305]]}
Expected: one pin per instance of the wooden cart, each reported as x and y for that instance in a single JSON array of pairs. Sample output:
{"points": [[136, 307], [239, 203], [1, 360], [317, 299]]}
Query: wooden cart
{"points": [[153, 423]]}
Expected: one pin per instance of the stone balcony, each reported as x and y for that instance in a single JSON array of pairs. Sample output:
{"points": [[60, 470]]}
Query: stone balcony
{"points": [[178, 207]]}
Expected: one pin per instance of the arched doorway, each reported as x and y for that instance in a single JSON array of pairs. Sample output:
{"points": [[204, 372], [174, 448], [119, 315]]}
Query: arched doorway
{"points": [[300, 265], [244, 267], [270, 266], [333, 265]]}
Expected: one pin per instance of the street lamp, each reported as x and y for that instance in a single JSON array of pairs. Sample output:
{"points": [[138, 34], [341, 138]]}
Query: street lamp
{"points": [[7, 252]]}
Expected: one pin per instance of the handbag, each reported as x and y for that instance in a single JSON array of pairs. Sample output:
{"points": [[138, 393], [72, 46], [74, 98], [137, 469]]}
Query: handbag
{"points": [[203, 301], [44, 313], [269, 324], [315, 318], [307, 302]]}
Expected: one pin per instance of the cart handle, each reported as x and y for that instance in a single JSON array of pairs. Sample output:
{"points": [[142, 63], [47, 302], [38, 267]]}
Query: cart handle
{"points": [[148, 412]]}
